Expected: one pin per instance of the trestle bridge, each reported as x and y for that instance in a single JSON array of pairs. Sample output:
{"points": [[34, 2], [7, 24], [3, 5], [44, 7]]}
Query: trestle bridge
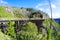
{"points": [[37, 21]]}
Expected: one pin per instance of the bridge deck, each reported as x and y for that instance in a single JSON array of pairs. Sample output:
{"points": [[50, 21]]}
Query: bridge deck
{"points": [[18, 19]]}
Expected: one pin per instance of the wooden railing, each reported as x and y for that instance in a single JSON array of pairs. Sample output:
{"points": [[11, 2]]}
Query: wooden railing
{"points": [[18, 19]]}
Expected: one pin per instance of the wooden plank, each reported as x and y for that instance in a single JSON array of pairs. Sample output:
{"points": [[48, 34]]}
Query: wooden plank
{"points": [[18, 19]]}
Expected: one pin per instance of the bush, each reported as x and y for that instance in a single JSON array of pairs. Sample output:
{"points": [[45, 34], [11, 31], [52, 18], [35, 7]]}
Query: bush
{"points": [[58, 36], [24, 35], [30, 27], [29, 32], [5, 37], [51, 28], [11, 30]]}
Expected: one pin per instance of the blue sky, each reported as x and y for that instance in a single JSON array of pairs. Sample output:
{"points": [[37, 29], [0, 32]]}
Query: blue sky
{"points": [[36, 4]]}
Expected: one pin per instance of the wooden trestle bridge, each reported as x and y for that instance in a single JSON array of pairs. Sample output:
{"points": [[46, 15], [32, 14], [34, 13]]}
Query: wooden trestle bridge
{"points": [[37, 21]]}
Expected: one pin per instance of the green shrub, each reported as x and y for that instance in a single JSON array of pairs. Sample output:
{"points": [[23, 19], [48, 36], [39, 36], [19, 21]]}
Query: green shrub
{"points": [[29, 32], [4, 13], [11, 30], [5, 37], [30, 27], [24, 35], [58, 36], [47, 24]]}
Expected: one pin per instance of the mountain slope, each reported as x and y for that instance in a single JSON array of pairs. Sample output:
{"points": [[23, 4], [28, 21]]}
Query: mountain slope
{"points": [[15, 12], [4, 14]]}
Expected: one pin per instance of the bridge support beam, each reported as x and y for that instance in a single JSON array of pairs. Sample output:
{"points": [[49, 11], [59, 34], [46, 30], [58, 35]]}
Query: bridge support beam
{"points": [[3, 27], [16, 27], [38, 23]]}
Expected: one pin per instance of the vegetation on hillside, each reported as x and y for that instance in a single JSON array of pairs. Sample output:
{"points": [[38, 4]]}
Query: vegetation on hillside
{"points": [[5, 37], [28, 30], [4, 14]]}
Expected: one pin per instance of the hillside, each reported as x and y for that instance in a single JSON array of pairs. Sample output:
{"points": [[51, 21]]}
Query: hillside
{"points": [[27, 30], [15, 12], [4, 13]]}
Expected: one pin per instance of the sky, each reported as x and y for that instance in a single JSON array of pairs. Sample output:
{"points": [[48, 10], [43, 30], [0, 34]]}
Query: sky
{"points": [[42, 5]]}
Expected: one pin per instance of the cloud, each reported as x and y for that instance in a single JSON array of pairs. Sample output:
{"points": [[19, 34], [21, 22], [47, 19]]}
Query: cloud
{"points": [[3, 2], [41, 6], [53, 6], [56, 15], [40, 9], [47, 9]]}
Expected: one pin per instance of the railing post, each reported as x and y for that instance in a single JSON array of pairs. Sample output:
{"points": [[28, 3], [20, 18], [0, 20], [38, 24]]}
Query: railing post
{"points": [[16, 26]]}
